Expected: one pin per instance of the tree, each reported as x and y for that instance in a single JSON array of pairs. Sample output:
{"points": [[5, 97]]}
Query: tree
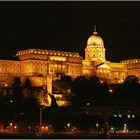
{"points": [[131, 88], [131, 85], [80, 89], [90, 90], [131, 80], [28, 89], [62, 85], [17, 89], [28, 110]]}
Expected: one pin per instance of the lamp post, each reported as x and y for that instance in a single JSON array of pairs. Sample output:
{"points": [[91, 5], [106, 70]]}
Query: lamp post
{"points": [[42, 106], [40, 119], [44, 85], [40, 122]]}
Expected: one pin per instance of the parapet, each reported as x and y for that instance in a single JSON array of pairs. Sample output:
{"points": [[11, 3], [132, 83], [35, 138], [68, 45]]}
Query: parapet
{"points": [[43, 54]]}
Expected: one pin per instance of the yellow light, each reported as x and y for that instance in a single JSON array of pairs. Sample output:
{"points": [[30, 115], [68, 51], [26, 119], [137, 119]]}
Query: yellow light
{"points": [[97, 124], [87, 104], [120, 115], [95, 40], [128, 116], [11, 101], [6, 85], [68, 124], [11, 124], [57, 58], [104, 66], [69, 90], [110, 90], [46, 128], [101, 81], [125, 125]]}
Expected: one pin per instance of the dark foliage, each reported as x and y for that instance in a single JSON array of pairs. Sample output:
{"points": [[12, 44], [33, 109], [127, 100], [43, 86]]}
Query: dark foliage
{"points": [[17, 90], [89, 90]]}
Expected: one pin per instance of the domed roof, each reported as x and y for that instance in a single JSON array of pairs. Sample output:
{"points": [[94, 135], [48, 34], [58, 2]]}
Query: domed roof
{"points": [[95, 40]]}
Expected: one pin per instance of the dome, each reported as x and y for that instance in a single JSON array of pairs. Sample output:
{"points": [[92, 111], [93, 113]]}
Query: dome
{"points": [[95, 40]]}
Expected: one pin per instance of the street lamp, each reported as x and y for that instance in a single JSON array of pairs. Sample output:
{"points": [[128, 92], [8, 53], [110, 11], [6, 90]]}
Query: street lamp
{"points": [[110, 90], [68, 124], [11, 124], [125, 128], [42, 106], [40, 119], [97, 127]]}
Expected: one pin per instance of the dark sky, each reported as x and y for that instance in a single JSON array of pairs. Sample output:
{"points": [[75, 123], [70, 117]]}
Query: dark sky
{"points": [[67, 26]]}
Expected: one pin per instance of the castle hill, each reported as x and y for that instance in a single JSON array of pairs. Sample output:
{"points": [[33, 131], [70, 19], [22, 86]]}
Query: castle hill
{"points": [[52, 93]]}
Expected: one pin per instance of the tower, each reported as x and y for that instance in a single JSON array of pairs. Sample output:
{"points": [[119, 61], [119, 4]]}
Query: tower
{"points": [[95, 50], [94, 54]]}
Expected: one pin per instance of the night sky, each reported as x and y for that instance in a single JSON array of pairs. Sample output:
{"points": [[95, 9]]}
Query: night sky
{"points": [[67, 25]]}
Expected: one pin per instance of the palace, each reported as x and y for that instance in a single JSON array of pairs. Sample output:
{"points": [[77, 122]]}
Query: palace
{"points": [[42, 66]]}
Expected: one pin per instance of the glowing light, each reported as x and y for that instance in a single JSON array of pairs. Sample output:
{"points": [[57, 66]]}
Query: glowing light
{"points": [[69, 90], [11, 124], [15, 127], [57, 58], [128, 116], [68, 124], [97, 125], [95, 40], [104, 66], [125, 125], [101, 81], [63, 102], [120, 115], [46, 128], [110, 90], [87, 104], [112, 128], [6, 85], [11, 101]]}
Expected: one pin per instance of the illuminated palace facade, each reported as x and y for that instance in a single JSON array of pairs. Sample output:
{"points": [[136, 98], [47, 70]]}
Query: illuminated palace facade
{"points": [[42, 66]]}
